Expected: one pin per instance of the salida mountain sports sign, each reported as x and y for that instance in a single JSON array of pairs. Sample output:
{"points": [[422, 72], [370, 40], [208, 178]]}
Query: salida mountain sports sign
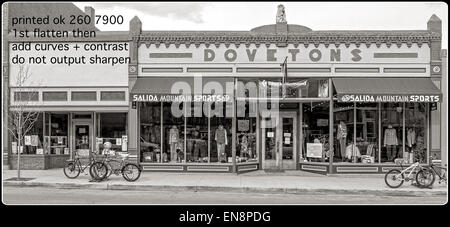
{"points": [[388, 98]]}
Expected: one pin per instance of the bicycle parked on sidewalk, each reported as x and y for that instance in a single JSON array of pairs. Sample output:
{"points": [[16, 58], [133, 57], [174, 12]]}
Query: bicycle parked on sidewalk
{"points": [[427, 175], [73, 168], [119, 164], [395, 178]]}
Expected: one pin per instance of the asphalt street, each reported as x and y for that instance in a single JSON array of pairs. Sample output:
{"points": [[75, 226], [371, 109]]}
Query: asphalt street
{"points": [[40, 195]]}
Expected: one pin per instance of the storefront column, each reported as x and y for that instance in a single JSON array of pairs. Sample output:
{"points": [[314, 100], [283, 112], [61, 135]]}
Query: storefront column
{"points": [[258, 135], [379, 132], [133, 131], [404, 130], [233, 128], [428, 125], [354, 133], [331, 126], [443, 109]]}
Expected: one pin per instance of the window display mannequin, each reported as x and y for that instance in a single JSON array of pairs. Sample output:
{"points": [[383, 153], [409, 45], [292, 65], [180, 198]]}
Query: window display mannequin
{"points": [[244, 146], [410, 143], [221, 140], [391, 142], [173, 141], [342, 138]]}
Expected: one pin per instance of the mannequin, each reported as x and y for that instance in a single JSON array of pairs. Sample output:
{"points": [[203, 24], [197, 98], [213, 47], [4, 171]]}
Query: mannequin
{"points": [[173, 141], [221, 140], [391, 142], [244, 146], [411, 142], [342, 137]]}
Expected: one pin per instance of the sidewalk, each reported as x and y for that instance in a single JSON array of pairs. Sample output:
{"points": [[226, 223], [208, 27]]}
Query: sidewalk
{"points": [[296, 182]]}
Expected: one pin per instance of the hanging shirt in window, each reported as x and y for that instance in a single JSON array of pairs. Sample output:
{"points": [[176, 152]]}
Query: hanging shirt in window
{"points": [[390, 137]]}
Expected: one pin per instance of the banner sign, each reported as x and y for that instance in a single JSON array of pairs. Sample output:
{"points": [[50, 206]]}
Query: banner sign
{"points": [[314, 150], [388, 98], [180, 98]]}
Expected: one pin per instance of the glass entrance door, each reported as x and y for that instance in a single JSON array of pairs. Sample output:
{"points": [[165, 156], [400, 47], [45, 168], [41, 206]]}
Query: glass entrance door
{"points": [[280, 143], [82, 139], [288, 140]]}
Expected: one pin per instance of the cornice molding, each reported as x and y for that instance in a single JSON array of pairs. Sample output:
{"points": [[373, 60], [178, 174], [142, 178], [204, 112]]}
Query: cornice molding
{"points": [[390, 38]]}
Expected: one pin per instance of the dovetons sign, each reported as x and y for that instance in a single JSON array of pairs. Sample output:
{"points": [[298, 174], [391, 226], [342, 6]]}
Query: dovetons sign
{"points": [[274, 54]]}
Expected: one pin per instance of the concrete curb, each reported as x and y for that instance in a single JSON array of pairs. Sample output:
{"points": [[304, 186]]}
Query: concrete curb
{"points": [[138, 187]]}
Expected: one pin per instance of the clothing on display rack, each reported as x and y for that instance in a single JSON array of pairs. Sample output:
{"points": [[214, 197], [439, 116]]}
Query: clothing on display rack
{"points": [[342, 137], [408, 155], [352, 151], [411, 137], [173, 141], [390, 136], [370, 150]]}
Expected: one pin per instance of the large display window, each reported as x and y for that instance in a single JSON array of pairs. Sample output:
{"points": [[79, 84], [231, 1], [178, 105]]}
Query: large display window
{"points": [[199, 135], [32, 138], [112, 127], [380, 132], [316, 146], [56, 140], [416, 132]]}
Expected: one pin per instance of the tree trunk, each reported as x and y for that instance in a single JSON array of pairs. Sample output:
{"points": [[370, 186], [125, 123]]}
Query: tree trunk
{"points": [[19, 143]]}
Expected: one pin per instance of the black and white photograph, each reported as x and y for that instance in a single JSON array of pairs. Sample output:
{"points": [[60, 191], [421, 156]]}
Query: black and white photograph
{"points": [[224, 103]]}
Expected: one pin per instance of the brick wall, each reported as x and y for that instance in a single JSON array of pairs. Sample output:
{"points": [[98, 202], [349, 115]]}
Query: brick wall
{"points": [[55, 161], [28, 162]]}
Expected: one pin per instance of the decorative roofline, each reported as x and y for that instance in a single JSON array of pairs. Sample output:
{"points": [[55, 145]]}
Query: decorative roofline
{"points": [[310, 38]]}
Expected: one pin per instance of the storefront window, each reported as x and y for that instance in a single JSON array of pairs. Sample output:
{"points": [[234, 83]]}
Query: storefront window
{"points": [[220, 143], [150, 136], [32, 139], [56, 136], [246, 135], [416, 139], [343, 131], [112, 127], [315, 133], [392, 131], [173, 135], [366, 136], [197, 135]]}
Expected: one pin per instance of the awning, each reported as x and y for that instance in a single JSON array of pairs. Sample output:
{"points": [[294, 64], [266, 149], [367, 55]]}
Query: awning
{"points": [[182, 89], [386, 90]]}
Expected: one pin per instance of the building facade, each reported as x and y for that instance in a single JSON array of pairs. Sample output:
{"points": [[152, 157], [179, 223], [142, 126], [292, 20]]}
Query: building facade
{"points": [[277, 97]]}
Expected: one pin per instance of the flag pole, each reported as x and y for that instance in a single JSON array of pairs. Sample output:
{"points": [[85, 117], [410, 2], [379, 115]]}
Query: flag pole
{"points": [[284, 80]]}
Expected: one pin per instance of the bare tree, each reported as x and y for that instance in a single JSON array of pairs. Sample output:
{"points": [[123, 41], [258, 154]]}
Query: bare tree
{"points": [[22, 119]]}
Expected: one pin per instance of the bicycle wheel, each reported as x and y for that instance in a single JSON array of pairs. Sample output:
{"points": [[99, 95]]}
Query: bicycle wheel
{"points": [[425, 178], [98, 170], [394, 178], [71, 170], [131, 172]]}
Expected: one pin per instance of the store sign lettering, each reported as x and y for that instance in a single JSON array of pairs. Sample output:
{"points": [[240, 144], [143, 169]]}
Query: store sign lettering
{"points": [[180, 98], [388, 98], [314, 55]]}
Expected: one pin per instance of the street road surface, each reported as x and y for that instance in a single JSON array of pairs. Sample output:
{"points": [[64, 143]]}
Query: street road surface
{"points": [[40, 195]]}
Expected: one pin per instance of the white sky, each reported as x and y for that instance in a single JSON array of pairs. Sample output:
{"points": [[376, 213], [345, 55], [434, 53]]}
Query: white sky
{"points": [[247, 15]]}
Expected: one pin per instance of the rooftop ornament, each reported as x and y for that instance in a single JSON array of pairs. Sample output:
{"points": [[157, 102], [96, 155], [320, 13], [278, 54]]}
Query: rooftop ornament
{"points": [[281, 14]]}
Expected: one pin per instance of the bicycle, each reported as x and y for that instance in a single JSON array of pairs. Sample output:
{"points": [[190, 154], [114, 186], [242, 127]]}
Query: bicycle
{"points": [[130, 171], [429, 174], [73, 168], [398, 176]]}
